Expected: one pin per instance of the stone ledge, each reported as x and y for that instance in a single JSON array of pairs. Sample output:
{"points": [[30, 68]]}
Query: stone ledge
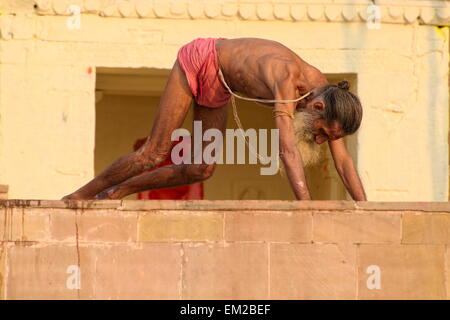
{"points": [[223, 249], [229, 205], [427, 12]]}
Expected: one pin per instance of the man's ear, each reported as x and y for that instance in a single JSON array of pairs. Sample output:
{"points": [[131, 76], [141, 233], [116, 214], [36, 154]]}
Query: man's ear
{"points": [[319, 105]]}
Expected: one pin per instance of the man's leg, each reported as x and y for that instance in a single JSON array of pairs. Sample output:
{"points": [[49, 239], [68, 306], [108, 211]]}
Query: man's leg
{"points": [[173, 107], [174, 175]]}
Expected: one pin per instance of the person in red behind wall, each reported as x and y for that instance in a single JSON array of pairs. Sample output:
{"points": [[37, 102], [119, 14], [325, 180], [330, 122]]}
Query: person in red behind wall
{"points": [[187, 192]]}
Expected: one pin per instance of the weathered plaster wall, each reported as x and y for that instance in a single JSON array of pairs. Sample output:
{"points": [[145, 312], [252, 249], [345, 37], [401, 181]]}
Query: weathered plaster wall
{"points": [[224, 250], [47, 80]]}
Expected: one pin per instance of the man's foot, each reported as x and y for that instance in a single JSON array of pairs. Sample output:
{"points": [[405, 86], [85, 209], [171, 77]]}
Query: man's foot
{"points": [[72, 196]]}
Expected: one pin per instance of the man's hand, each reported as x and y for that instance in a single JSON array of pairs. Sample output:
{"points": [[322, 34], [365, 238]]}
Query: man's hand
{"points": [[346, 169]]}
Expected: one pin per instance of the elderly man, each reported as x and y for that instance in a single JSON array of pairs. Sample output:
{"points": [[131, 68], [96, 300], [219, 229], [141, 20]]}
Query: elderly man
{"points": [[258, 68]]}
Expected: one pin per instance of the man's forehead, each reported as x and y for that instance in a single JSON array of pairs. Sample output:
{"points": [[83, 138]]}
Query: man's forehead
{"points": [[335, 125], [336, 128]]}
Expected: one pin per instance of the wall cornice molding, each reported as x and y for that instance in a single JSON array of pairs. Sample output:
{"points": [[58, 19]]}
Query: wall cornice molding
{"points": [[392, 11]]}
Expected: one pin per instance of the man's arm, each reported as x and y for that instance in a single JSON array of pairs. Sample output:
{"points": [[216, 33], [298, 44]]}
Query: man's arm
{"points": [[291, 158], [346, 169], [289, 154]]}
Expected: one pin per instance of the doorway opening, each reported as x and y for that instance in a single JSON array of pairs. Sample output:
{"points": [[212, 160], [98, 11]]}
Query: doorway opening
{"points": [[126, 105]]}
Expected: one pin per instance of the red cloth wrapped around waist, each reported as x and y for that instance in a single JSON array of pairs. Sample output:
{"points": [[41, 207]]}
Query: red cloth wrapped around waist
{"points": [[199, 61]]}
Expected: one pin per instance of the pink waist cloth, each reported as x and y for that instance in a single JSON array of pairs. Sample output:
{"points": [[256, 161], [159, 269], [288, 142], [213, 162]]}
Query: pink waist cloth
{"points": [[198, 59]]}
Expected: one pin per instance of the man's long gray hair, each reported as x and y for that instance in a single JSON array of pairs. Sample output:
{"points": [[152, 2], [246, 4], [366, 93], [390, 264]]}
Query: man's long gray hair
{"points": [[343, 106]]}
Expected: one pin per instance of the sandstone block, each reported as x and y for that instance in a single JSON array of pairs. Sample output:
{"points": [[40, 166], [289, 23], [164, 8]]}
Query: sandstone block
{"points": [[45, 273], [3, 275], [426, 228], [306, 271], [93, 225], [183, 226], [268, 226], [405, 271], [3, 228], [147, 271], [357, 228], [20, 224], [225, 271], [447, 271]]}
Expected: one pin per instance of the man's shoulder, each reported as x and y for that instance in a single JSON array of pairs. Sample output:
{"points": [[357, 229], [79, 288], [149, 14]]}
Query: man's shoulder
{"points": [[281, 66]]}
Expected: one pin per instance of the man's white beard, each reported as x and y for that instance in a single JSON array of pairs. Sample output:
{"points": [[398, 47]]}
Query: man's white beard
{"points": [[310, 151]]}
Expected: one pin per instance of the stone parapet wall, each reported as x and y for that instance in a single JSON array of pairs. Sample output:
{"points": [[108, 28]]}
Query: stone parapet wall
{"points": [[224, 250]]}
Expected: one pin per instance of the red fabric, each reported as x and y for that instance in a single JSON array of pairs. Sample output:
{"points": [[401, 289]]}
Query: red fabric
{"points": [[186, 192], [199, 61]]}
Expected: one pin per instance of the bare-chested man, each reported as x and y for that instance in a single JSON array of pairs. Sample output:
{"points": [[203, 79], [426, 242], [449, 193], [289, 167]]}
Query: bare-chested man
{"points": [[257, 68]]}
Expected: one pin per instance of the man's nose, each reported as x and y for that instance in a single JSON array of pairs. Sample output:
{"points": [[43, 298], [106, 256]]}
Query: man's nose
{"points": [[321, 139]]}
